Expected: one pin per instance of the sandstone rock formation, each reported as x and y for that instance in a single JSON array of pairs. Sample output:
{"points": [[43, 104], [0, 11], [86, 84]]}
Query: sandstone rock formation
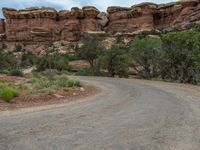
{"points": [[2, 29], [46, 24], [31, 24], [174, 14], [2, 26], [131, 19]]}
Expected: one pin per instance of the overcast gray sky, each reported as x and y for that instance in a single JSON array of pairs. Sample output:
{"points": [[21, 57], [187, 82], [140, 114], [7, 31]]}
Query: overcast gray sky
{"points": [[67, 4]]}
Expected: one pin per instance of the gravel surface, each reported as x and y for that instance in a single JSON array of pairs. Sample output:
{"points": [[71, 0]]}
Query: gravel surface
{"points": [[127, 115]]}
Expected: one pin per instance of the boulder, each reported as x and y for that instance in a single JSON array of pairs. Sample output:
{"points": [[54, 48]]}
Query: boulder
{"points": [[90, 12], [75, 13], [102, 19]]}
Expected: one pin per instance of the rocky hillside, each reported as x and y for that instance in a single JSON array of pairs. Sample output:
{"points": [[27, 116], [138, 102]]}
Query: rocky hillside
{"points": [[46, 24]]}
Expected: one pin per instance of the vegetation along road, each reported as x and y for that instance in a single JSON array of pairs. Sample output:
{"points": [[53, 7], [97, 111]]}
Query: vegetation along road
{"points": [[128, 114]]}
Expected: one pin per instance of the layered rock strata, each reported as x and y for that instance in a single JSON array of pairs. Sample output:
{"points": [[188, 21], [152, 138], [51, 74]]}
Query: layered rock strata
{"points": [[46, 24], [2, 26]]}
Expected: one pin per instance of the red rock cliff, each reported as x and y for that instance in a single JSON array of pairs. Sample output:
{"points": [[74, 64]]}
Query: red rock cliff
{"points": [[2, 29], [2, 26], [45, 24]]}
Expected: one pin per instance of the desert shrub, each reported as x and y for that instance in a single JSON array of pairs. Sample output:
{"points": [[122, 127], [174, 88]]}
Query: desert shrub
{"points": [[146, 54], [28, 59], [18, 73], [116, 59], [4, 71], [70, 83], [35, 74], [68, 72], [3, 46], [3, 84], [77, 83], [50, 73], [84, 72], [53, 61], [15, 93], [173, 57], [41, 83], [33, 80], [179, 57], [123, 74], [22, 87], [90, 51], [61, 80], [8, 94], [7, 60], [18, 48], [197, 62]]}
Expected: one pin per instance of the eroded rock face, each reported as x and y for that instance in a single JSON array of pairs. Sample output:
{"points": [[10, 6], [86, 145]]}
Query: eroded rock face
{"points": [[190, 14], [2, 30], [30, 13], [31, 24], [69, 24], [131, 19], [2, 26], [102, 19], [46, 24], [148, 16], [174, 14]]}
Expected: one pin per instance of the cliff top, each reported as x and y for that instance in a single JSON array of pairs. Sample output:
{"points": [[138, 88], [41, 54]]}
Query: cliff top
{"points": [[46, 12]]}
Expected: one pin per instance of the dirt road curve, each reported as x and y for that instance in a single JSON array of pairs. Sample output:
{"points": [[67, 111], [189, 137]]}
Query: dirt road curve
{"points": [[127, 115]]}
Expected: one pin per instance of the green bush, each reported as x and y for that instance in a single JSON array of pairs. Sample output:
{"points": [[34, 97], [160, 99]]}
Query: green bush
{"points": [[33, 80], [28, 59], [123, 74], [90, 51], [3, 84], [8, 94], [15, 93], [18, 48], [84, 72], [179, 56], [116, 59], [4, 71], [41, 83], [77, 83], [61, 80], [18, 73], [70, 83], [3, 46], [175, 56], [146, 54], [8, 60], [50, 73], [53, 61]]}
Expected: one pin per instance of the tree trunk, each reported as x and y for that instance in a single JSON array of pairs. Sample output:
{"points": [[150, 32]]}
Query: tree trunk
{"points": [[92, 67]]}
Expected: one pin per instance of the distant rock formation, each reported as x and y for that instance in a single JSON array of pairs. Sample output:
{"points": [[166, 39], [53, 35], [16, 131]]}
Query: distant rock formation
{"points": [[46, 24], [2, 29], [2, 26]]}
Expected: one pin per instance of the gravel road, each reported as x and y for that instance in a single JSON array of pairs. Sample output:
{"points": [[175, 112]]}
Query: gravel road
{"points": [[127, 115]]}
